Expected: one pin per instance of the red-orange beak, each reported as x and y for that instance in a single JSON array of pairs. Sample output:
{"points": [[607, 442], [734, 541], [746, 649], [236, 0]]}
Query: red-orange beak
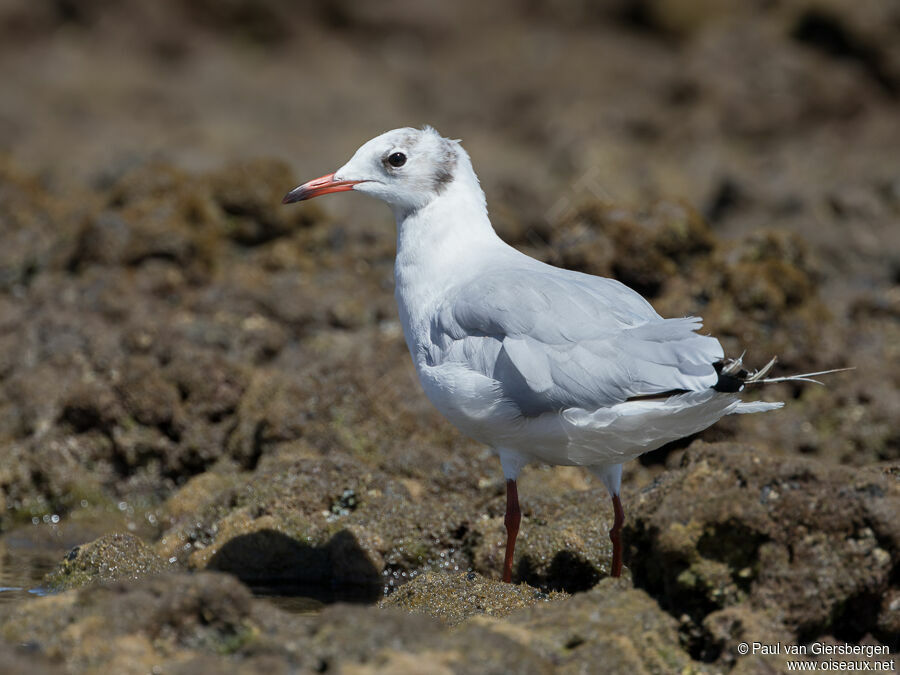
{"points": [[318, 186]]}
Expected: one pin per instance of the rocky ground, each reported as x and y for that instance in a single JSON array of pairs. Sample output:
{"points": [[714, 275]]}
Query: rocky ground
{"points": [[206, 406]]}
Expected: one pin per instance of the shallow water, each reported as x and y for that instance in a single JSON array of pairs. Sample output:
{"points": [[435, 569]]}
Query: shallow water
{"points": [[27, 554], [21, 570], [310, 598]]}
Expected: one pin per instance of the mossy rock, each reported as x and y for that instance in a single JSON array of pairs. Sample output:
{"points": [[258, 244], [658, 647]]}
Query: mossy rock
{"points": [[110, 558]]}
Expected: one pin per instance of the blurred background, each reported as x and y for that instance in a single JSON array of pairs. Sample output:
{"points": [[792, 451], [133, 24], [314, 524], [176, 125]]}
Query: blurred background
{"points": [[737, 159], [758, 113], [773, 118]]}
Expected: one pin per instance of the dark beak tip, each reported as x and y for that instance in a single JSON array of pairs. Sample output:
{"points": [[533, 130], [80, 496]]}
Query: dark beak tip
{"points": [[291, 197]]}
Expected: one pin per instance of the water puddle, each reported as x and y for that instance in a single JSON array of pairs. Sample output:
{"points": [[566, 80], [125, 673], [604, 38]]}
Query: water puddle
{"points": [[29, 553], [312, 598], [21, 570]]}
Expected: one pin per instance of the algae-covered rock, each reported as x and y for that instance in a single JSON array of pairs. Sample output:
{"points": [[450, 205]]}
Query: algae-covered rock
{"points": [[455, 597], [759, 291], [227, 377], [615, 625], [250, 194], [210, 623], [123, 375], [643, 250], [109, 558], [130, 627], [300, 517], [809, 545], [316, 520], [40, 233], [563, 541]]}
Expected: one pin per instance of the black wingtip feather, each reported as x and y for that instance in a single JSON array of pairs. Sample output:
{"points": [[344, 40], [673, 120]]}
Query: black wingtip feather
{"points": [[729, 383]]}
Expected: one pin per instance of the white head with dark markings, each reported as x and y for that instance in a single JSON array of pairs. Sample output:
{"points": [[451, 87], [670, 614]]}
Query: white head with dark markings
{"points": [[407, 168]]}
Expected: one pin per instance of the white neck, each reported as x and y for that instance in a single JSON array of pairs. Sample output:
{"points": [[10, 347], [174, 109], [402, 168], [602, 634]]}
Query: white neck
{"points": [[438, 246]]}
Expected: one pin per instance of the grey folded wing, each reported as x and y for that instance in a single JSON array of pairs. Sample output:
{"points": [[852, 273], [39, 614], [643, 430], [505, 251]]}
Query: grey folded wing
{"points": [[555, 339]]}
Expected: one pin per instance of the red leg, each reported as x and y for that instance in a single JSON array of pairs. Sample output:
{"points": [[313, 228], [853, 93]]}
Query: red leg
{"points": [[513, 517], [615, 536]]}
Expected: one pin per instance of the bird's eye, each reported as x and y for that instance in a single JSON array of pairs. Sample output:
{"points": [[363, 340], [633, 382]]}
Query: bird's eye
{"points": [[397, 159]]}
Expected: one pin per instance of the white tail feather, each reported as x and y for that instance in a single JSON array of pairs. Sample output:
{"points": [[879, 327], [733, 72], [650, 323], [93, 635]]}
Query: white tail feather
{"points": [[802, 377], [734, 368]]}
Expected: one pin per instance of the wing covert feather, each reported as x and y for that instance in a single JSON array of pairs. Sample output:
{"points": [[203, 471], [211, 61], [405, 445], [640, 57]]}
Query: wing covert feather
{"points": [[558, 340]]}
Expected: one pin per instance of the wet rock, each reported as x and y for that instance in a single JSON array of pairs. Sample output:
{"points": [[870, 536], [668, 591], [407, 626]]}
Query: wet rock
{"points": [[133, 237], [111, 558], [264, 23], [382, 639], [889, 613], [200, 493], [454, 598], [809, 545]]}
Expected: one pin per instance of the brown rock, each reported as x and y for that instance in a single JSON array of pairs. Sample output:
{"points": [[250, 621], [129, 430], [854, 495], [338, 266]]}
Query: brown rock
{"points": [[454, 598], [808, 544], [110, 558]]}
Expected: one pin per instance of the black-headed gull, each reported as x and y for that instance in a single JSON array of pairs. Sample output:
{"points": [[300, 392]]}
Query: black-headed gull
{"points": [[540, 363]]}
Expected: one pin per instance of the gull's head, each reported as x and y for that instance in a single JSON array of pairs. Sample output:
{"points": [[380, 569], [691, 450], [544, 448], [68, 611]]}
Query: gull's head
{"points": [[407, 168]]}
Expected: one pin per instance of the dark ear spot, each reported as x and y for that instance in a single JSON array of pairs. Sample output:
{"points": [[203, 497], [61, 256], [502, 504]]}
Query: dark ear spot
{"points": [[443, 171]]}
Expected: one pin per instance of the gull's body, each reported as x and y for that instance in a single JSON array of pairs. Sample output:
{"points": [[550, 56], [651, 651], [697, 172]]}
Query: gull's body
{"points": [[540, 363]]}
